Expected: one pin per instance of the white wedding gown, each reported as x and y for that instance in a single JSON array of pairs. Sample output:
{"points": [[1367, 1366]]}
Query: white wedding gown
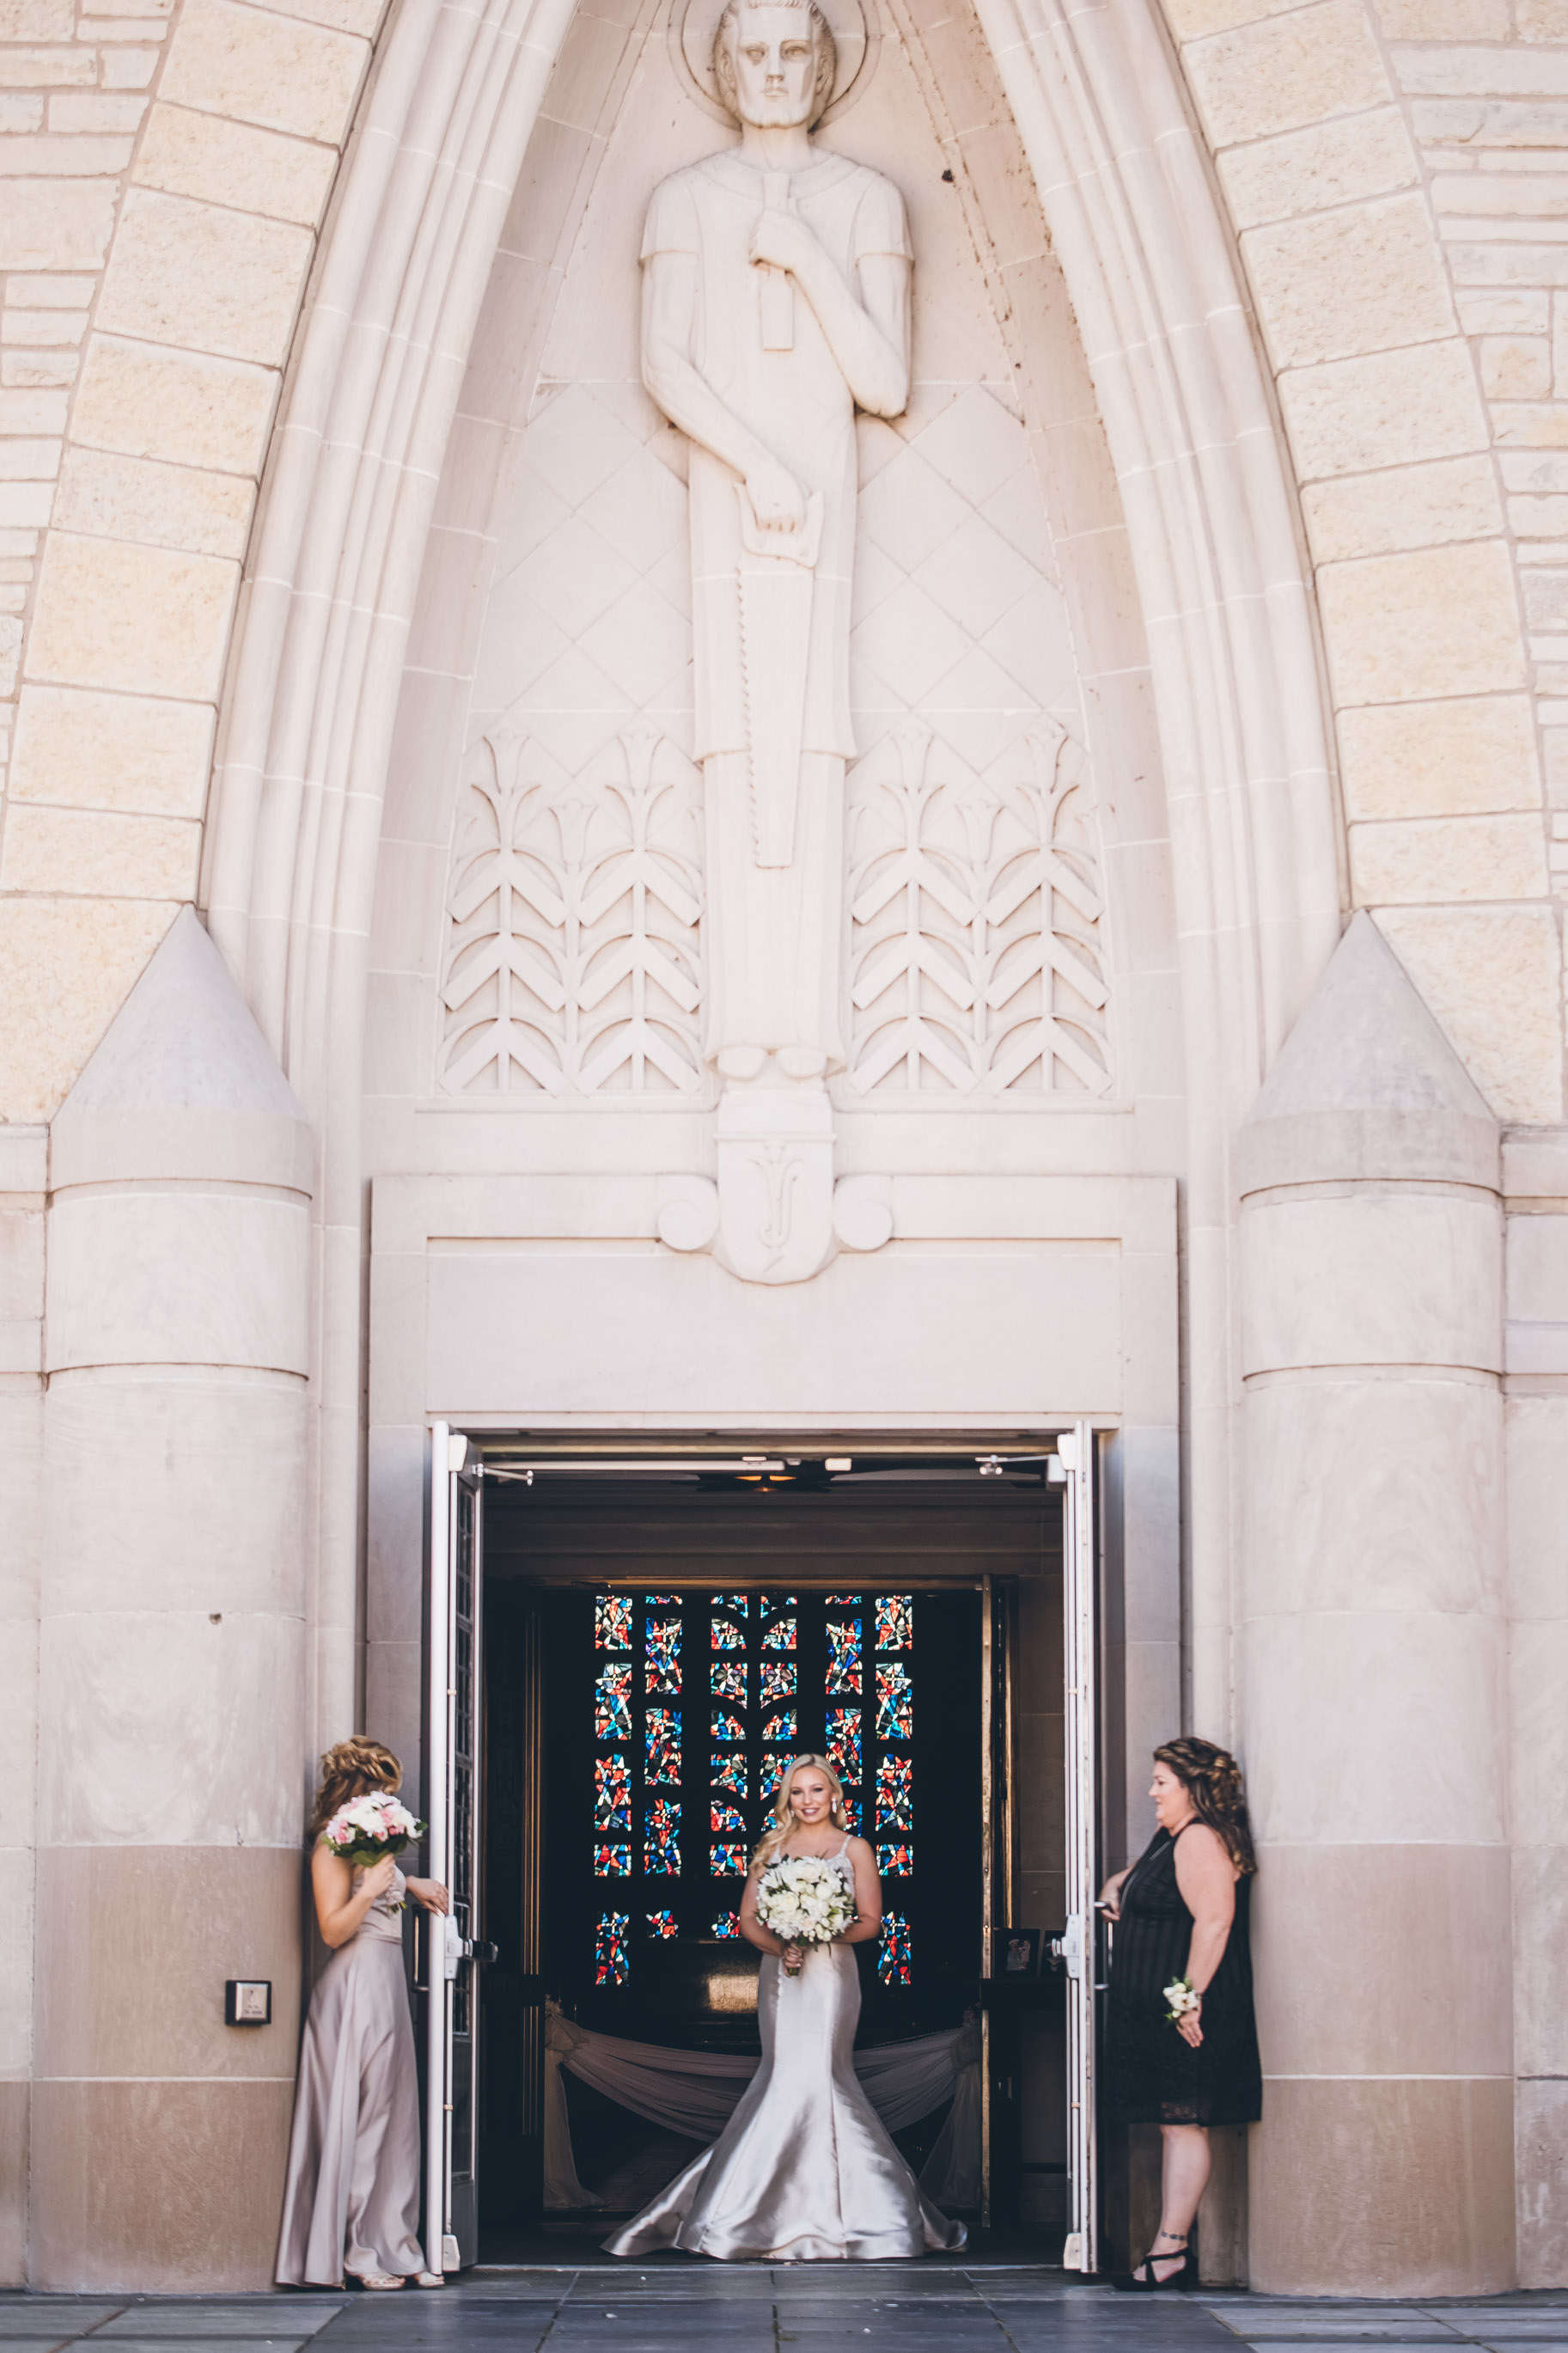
{"points": [[803, 2172]]}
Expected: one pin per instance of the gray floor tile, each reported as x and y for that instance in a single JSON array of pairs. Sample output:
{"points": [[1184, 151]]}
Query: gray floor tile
{"points": [[37, 2316], [296, 2317]]}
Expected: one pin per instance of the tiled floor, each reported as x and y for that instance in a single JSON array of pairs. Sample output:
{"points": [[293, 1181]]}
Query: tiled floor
{"points": [[698, 2308]]}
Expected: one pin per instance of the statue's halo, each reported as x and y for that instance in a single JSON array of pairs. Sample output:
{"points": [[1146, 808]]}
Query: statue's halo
{"points": [[693, 23]]}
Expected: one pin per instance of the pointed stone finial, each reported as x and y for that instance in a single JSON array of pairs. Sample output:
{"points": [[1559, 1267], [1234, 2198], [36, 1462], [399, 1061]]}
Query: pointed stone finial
{"points": [[1367, 1085], [182, 1083]]}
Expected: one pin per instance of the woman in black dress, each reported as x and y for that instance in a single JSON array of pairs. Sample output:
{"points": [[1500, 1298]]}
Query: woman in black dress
{"points": [[1181, 1913]]}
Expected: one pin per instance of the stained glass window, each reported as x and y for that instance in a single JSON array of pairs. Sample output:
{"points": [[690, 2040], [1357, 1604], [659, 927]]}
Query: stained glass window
{"points": [[612, 1792], [611, 1960], [728, 1727], [612, 1704], [728, 1678], [729, 1772], [661, 1738], [772, 1603], [730, 1860], [612, 1862], [724, 1821], [662, 1925], [844, 1601], [613, 1622], [661, 1651], [727, 1637], [895, 1702], [781, 1728], [893, 1950], [852, 1811], [895, 1623], [778, 1681], [738, 1604], [895, 1860], [844, 1742], [662, 1601], [662, 1851], [773, 1773], [728, 1924], [844, 1656], [894, 1803], [780, 1635]]}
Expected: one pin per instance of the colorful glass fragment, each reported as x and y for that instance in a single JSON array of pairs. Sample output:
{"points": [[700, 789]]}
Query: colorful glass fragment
{"points": [[613, 1621], [773, 1772], [729, 1862], [612, 1862], [895, 1859], [724, 1821], [844, 1656], [661, 1740], [662, 1852], [895, 1793], [895, 1702], [662, 1925], [611, 1960], [844, 1601], [729, 1772], [893, 1950], [895, 1626], [737, 1604], [778, 1681], [772, 1603], [728, 1727], [728, 1924], [727, 1637], [612, 1791], [662, 1601], [844, 1741], [781, 1726], [661, 1652], [728, 1678], [852, 1811], [612, 1704], [780, 1635]]}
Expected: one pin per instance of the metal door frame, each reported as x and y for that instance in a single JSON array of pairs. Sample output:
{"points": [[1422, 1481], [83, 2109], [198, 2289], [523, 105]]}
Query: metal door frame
{"points": [[1081, 1670]]}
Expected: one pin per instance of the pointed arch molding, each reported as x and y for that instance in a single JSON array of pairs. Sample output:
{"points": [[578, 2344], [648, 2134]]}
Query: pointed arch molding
{"points": [[292, 836]]}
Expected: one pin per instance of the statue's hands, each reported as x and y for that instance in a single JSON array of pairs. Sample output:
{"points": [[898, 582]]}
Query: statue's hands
{"points": [[785, 241], [777, 500]]}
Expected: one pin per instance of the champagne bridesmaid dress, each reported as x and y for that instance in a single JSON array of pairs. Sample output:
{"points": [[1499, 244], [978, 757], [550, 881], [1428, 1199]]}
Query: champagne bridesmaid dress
{"points": [[803, 2172], [352, 2201]]}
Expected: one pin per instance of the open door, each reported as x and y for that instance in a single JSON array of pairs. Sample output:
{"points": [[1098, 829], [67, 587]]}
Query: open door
{"points": [[455, 1731], [1078, 1947]]}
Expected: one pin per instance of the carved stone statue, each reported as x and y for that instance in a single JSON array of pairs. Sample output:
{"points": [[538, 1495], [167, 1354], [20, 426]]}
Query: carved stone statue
{"points": [[776, 303]]}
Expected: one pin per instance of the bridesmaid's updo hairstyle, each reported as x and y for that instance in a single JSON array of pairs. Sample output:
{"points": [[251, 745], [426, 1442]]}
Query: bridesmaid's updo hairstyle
{"points": [[350, 1770], [1212, 1779], [783, 1822]]}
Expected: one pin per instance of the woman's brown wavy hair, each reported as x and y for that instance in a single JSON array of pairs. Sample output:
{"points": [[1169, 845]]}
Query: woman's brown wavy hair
{"points": [[1212, 1779], [350, 1770]]}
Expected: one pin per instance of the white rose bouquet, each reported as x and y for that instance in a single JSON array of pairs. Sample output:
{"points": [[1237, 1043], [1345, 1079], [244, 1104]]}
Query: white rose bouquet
{"points": [[804, 1901], [1183, 1997], [372, 1827]]}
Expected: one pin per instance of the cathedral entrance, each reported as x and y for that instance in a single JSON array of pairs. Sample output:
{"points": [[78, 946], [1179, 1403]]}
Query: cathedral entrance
{"points": [[627, 1647]]}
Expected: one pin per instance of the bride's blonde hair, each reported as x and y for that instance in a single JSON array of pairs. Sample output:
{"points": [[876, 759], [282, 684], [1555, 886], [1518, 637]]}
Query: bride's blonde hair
{"points": [[783, 1822]]}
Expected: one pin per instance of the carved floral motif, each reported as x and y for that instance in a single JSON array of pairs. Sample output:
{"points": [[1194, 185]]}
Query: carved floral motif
{"points": [[572, 960], [977, 963]]}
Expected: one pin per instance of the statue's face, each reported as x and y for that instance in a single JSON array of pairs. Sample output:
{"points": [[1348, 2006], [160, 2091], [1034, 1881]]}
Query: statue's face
{"points": [[774, 58]]}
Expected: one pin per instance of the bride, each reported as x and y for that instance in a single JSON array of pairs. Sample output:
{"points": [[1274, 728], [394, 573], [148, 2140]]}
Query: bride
{"points": [[804, 2171]]}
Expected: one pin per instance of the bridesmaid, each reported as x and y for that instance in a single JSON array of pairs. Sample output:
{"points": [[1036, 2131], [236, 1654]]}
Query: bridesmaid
{"points": [[1182, 1910], [352, 2201]]}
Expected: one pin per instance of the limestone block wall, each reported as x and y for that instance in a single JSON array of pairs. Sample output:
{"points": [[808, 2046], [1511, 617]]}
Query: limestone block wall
{"points": [[1396, 178], [163, 177]]}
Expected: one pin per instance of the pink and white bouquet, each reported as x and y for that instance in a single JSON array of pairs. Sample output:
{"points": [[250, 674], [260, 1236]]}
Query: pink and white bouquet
{"points": [[372, 1827]]}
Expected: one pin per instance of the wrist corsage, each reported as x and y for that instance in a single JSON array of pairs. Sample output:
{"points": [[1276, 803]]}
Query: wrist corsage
{"points": [[1184, 1998]]}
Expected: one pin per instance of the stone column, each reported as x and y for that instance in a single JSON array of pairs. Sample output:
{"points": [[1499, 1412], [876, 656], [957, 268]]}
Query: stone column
{"points": [[1373, 1651], [173, 1679]]}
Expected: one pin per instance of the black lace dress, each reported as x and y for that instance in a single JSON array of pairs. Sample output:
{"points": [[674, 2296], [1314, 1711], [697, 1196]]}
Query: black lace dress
{"points": [[1152, 2074]]}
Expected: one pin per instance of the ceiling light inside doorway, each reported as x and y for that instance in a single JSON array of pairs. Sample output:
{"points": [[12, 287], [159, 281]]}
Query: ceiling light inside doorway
{"points": [[840, 1462]]}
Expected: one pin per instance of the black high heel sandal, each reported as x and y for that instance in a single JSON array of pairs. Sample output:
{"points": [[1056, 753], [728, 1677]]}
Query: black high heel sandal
{"points": [[1185, 2275]]}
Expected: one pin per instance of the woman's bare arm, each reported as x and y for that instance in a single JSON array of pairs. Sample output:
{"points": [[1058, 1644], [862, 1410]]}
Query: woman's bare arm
{"points": [[340, 1912], [867, 1921], [1207, 1878]]}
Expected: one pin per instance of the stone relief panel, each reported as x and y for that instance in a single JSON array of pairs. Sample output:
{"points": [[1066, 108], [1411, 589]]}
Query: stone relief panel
{"points": [[573, 958], [977, 964]]}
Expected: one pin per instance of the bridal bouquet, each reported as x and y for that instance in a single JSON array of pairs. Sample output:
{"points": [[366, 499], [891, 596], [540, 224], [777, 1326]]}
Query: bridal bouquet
{"points": [[805, 1901], [370, 1828]]}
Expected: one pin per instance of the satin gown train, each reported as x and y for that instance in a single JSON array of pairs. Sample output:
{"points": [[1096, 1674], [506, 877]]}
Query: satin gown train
{"points": [[804, 2171]]}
